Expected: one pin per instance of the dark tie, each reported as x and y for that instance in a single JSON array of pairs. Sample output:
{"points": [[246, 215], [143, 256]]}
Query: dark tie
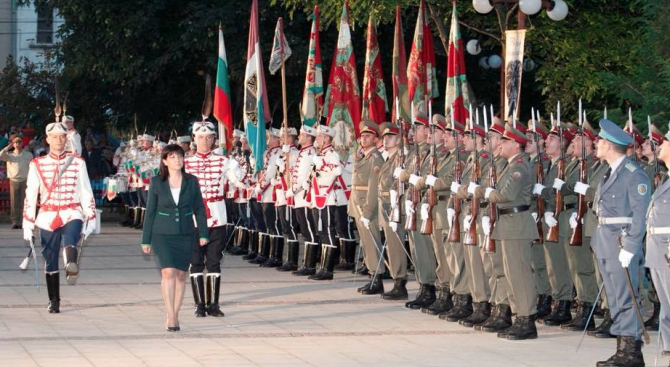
{"points": [[607, 174]]}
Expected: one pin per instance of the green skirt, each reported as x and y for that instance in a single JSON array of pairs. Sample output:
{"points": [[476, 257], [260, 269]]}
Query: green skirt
{"points": [[173, 251]]}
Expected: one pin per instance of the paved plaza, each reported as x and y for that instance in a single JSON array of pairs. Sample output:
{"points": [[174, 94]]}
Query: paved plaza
{"points": [[114, 317]]}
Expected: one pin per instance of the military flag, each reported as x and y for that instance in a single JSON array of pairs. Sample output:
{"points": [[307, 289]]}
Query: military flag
{"points": [[312, 95], [223, 111], [375, 104], [457, 94], [399, 73], [421, 79]]}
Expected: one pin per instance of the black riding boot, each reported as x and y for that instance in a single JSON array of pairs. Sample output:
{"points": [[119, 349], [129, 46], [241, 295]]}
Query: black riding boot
{"points": [[291, 263], [53, 289], [328, 255], [213, 289], [264, 249], [71, 267], [237, 241], [309, 260], [399, 291], [198, 287], [347, 255], [254, 245], [127, 216], [276, 253], [653, 322], [140, 223]]}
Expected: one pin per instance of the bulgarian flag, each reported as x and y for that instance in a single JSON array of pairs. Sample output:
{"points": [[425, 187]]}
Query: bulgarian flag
{"points": [[343, 98], [421, 81], [375, 104], [256, 107], [312, 94], [457, 95], [399, 73], [223, 111]]}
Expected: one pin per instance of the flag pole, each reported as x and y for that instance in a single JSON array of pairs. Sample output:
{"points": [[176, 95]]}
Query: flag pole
{"points": [[283, 95]]}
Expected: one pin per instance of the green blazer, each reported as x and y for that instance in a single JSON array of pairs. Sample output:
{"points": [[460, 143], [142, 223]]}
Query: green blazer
{"points": [[163, 216]]}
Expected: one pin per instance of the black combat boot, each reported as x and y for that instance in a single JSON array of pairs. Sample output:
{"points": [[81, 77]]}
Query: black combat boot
{"points": [[443, 302], [617, 355], [424, 298], [653, 323], [71, 267], [523, 328], [309, 260], [560, 315], [628, 354], [481, 313], [198, 287], [53, 289], [213, 289], [399, 291], [579, 322], [462, 308], [603, 330], [254, 244], [376, 286], [501, 321], [291, 263], [328, 256], [362, 270], [543, 306]]}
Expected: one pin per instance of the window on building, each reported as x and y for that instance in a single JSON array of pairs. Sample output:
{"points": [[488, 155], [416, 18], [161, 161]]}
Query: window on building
{"points": [[45, 24]]}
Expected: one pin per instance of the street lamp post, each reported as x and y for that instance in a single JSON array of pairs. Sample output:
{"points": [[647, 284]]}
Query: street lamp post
{"points": [[556, 10]]}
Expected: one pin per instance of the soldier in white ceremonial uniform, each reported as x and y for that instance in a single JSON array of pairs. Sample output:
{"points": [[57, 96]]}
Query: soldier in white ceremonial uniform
{"points": [[210, 169], [66, 201], [73, 143], [286, 163]]}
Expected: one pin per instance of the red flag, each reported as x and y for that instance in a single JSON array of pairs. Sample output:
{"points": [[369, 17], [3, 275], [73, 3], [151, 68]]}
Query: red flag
{"points": [[457, 94], [421, 68], [399, 73], [343, 99], [375, 104]]}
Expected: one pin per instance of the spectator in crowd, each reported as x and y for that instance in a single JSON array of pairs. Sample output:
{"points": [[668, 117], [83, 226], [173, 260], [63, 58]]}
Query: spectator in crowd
{"points": [[93, 160], [18, 161], [42, 148], [28, 133]]}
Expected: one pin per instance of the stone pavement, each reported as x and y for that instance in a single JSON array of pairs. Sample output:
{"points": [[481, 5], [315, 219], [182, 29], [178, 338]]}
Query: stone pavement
{"points": [[114, 317]]}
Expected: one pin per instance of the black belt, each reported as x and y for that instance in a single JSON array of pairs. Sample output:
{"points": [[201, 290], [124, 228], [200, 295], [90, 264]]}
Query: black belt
{"points": [[570, 206], [513, 209], [483, 205], [443, 197]]}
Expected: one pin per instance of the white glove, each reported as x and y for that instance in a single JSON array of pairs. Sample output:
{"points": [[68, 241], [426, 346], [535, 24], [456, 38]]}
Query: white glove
{"points": [[430, 180], [396, 172], [280, 163], [558, 183], [486, 224], [488, 192], [537, 189], [550, 220], [625, 257], [467, 221], [394, 226], [257, 189], [472, 187], [409, 210], [89, 228], [581, 188], [450, 215], [285, 148], [394, 198], [534, 215], [424, 211], [454, 186], [305, 185], [413, 179], [573, 220], [27, 234], [289, 193], [366, 222], [317, 161]]}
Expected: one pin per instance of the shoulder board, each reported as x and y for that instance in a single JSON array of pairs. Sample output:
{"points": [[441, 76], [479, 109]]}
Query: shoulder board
{"points": [[631, 167], [519, 160]]}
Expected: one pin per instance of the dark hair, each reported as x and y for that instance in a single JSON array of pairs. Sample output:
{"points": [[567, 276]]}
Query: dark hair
{"points": [[621, 149], [163, 171]]}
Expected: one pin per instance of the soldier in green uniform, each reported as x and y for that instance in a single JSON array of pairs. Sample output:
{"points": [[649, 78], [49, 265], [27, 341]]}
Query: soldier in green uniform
{"points": [[363, 203], [443, 168], [421, 249], [555, 255], [539, 163], [580, 258], [515, 232], [391, 215]]}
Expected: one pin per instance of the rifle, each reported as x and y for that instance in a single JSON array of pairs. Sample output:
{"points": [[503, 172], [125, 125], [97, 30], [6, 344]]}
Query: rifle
{"points": [[652, 146], [427, 227], [539, 178], [400, 187], [576, 238], [489, 242], [410, 223], [631, 126], [552, 236], [455, 226], [471, 233]]}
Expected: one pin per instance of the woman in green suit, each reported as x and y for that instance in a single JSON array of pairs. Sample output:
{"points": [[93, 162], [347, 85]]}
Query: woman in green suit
{"points": [[169, 231]]}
